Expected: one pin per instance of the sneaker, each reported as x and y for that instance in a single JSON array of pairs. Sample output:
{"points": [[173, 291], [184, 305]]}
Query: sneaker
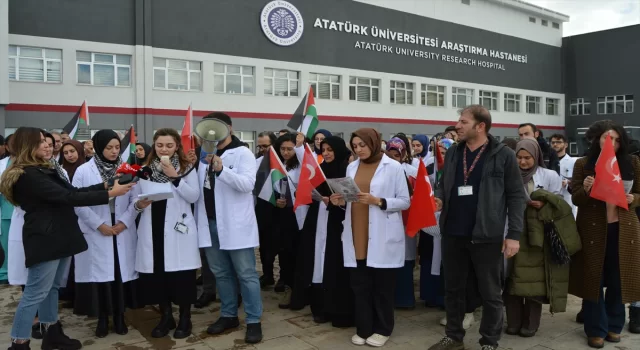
{"points": [[254, 333], [356, 340], [468, 321], [285, 302], [447, 343], [489, 347], [377, 340], [223, 324], [443, 321]]}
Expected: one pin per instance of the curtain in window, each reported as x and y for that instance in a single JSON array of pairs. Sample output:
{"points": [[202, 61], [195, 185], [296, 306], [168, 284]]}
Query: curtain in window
{"points": [[31, 69], [103, 75]]}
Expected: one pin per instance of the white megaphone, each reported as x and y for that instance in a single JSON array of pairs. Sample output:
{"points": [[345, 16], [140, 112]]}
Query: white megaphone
{"points": [[210, 132]]}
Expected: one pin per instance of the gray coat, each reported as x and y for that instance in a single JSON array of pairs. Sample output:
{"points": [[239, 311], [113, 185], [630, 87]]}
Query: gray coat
{"points": [[500, 188]]}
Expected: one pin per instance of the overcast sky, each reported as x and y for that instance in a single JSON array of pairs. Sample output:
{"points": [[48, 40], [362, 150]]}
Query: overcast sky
{"points": [[594, 15]]}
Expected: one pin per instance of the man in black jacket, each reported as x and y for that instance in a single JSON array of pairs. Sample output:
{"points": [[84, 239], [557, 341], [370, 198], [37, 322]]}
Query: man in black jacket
{"points": [[551, 160], [481, 179]]}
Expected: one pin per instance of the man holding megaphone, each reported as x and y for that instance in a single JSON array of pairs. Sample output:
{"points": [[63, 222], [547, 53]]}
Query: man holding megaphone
{"points": [[228, 175]]}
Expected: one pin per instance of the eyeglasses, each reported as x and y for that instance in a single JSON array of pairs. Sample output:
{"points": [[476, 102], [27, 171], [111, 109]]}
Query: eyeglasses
{"points": [[263, 146]]}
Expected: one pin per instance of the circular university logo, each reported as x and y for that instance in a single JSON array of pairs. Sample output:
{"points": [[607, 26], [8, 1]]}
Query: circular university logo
{"points": [[282, 23]]}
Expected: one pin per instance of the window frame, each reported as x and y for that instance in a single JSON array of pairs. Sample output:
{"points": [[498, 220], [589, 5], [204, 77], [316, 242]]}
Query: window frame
{"points": [[544, 22], [455, 94], [251, 141], [493, 96], [554, 102], [425, 92], [43, 58], [329, 80], [371, 87], [166, 70], [581, 104], [114, 64], [515, 98], [242, 76], [613, 102], [537, 101], [273, 79], [393, 92]]}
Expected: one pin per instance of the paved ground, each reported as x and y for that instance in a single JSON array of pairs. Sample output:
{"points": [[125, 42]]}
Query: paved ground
{"points": [[287, 330]]}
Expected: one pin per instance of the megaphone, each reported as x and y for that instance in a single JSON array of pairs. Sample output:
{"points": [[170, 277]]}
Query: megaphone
{"points": [[210, 132]]}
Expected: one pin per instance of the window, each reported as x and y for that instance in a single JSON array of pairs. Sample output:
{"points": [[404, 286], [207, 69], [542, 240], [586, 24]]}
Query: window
{"points": [[35, 64], [401, 93], [103, 69], [9, 131], [489, 100], [364, 89], [544, 22], [247, 137], [532, 19], [533, 105], [461, 97], [573, 148], [171, 74], [512, 103], [278, 82], [615, 104], [432, 95], [555, 25], [325, 86], [580, 106], [553, 106], [233, 79]]}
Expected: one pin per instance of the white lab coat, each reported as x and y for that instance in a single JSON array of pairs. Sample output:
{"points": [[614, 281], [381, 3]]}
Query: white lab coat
{"points": [[548, 180], [321, 243], [386, 231], [96, 264], [566, 172], [235, 212], [180, 250], [410, 243]]}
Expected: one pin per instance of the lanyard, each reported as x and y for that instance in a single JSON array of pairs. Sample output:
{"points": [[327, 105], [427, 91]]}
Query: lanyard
{"points": [[466, 172]]}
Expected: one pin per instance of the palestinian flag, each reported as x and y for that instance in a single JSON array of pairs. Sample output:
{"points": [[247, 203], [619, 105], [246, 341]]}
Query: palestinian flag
{"points": [[270, 172], [128, 147], [305, 118], [79, 121]]}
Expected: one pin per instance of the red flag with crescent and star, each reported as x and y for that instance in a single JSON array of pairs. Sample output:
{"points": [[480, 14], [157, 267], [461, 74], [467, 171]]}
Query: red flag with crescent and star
{"points": [[608, 186], [311, 176]]}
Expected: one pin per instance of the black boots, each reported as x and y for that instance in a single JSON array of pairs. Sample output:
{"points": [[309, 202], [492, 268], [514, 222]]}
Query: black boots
{"points": [[253, 334], [634, 319], [23, 346], [166, 323], [54, 338], [184, 324], [102, 329], [119, 326]]}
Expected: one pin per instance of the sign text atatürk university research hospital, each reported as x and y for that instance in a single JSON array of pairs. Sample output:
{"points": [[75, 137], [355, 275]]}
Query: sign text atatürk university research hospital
{"points": [[392, 35]]}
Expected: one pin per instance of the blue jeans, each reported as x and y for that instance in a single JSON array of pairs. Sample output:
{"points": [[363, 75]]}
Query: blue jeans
{"points": [[40, 295], [608, 314], [229, 266]]}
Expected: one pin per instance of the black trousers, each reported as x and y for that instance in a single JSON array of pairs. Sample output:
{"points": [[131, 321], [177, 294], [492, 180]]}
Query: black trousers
{"points": [[374, 291], [459, 256]]}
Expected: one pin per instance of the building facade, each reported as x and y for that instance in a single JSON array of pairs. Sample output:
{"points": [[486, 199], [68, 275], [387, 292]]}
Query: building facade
{"points": [[398, 66]]}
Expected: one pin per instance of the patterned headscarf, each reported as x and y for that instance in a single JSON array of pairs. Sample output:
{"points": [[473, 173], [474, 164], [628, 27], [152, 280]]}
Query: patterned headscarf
{"points": [[156, 168], [106, 167], [398, 145], [59, 169], [446, 143]]}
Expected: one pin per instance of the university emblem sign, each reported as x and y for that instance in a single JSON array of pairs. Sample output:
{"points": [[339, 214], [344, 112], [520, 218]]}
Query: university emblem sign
{"points": [[282, 23]]}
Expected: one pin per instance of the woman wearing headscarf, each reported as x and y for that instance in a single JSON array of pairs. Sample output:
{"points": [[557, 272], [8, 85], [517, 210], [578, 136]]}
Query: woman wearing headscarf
{"points": [[610, 253], [168, 255], [397, 150], [142, 153], [320, 270], [317, 138], [105, 272], [72, 157], [538, 273], [373, 237], [420, 146]]}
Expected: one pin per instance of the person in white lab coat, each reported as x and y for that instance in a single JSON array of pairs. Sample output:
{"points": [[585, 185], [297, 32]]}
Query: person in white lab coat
{"points": [[228, 179], [169, 239], [106, 271], [404, 294], [559, 144], [373, 237]]}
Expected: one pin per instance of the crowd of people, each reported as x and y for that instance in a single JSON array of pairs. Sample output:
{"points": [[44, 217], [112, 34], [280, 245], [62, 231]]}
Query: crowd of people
{"points": [[517, 229]]}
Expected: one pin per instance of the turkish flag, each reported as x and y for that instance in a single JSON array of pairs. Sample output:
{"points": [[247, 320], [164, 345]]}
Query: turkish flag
{"points": [[608, 186], [422, 212], [187, 131], [311, 176]]}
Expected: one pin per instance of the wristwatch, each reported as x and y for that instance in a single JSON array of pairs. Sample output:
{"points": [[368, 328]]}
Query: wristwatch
{"points": [[380, 203]]}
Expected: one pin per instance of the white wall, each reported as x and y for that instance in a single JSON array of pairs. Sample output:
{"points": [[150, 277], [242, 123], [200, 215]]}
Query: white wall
{"points": [[488, 15], [142, 94]]}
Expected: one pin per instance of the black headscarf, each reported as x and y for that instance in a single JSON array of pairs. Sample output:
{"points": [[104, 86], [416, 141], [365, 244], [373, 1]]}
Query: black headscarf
{"points": [[326, 134], [147, 151], [336, 168], [106, 167]]}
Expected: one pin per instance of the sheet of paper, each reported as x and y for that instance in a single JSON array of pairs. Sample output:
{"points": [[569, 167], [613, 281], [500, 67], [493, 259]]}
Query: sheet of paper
{"points": [[155, 191], [316, 196], [628, 185], [345, 186]]}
